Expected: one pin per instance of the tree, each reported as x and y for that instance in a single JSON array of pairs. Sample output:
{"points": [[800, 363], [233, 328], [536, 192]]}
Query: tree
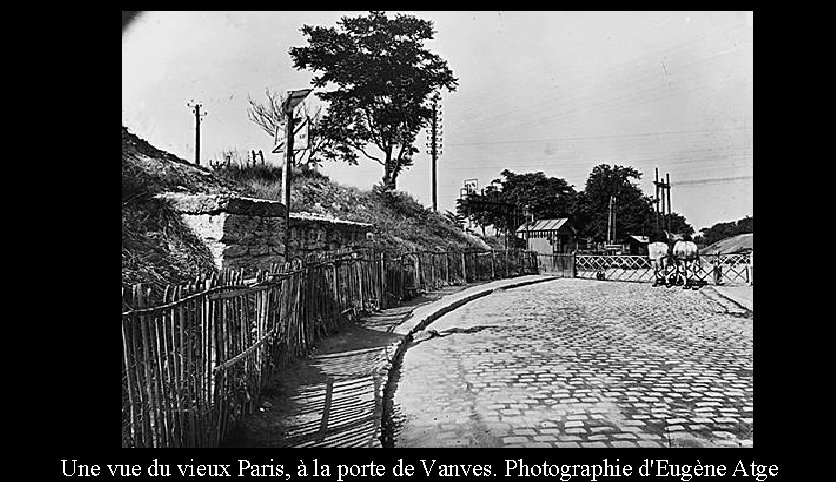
{"points": [[718, 231], [634, 211], [547, 197], [633, 208], [384, 77]]}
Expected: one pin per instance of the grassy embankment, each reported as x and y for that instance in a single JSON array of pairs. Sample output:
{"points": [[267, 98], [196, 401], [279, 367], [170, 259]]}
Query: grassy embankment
{"points": [[157, 248]]}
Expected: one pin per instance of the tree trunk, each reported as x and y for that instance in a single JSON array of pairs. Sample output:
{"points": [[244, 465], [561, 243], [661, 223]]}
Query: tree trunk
{"points": [[389, 174], [389, 181]]}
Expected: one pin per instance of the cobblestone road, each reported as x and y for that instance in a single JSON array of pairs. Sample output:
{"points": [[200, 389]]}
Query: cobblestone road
{"points": [[580, 363]]}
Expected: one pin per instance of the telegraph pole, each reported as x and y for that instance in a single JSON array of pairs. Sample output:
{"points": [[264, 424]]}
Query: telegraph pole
{"points": [[663, 201], [293, 99], [286, 173], [434, 147], [668, 187], [611, 221], [197, 116], [656, 198]]}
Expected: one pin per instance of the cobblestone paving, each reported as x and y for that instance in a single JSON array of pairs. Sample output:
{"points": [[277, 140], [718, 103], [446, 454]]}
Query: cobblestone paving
{"points": [[580, 363]]}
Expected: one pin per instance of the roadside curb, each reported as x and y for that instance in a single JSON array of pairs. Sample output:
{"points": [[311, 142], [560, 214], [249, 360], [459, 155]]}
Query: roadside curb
{"points": [[398, 348], [741, 303]]}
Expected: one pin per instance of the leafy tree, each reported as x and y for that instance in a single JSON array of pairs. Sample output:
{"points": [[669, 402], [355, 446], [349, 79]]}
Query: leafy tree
{"points": [[552, 197], [545, 197], [718, 231], [634, 211], [384, 76], [746, 225], [633, 208]]}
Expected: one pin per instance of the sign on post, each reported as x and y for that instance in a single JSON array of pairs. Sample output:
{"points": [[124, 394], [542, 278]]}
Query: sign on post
{"points": [[300, 138]]}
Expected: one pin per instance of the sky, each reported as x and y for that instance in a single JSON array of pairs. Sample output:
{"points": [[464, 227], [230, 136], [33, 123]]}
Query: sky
{"points": [[557, 92]]}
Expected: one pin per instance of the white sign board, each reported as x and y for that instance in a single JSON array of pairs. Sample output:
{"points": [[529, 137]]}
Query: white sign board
{"points": [[472, 185], [300, 138]]}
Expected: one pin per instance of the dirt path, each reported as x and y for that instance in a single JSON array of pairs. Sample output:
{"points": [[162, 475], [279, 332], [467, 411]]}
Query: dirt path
{"points": [[331, 398]]}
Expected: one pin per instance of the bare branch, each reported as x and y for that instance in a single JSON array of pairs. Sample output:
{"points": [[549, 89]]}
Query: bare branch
{"points": [[268, 116]]}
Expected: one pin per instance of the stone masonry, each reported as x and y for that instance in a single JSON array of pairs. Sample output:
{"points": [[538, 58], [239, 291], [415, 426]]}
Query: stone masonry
{"points": [[249, 233]]}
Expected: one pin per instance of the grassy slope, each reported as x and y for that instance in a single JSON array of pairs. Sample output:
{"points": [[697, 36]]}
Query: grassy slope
{"points": [[158, 248], [402, 223]]}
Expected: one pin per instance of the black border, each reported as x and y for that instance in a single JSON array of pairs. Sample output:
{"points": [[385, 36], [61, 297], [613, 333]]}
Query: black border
{"points": [[72, 425]]}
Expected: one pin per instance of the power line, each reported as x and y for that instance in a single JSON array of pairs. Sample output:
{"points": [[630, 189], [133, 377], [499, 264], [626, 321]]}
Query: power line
{"points": [[643, 134], [712, 180], [632, 68]]}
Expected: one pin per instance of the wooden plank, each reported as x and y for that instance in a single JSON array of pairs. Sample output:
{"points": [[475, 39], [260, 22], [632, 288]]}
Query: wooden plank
{"points": [[177, 366], [187, 367], [212, 354], [464, 268], [149, 407], [161, 325], [235, 293], [201, 366], [447, 268], [127, 357], [360, 286], [223, 336], [161, 379]]}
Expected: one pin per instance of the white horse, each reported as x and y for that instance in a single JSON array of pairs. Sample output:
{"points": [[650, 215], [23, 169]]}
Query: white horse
{"points": [[658, 251], [684, 254]]}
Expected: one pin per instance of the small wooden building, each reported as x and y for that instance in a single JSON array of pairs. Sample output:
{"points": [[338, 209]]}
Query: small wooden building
{"points": [[549, 236], [637, 245]]}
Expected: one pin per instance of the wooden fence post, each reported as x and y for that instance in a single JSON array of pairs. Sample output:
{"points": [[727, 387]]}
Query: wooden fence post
{"points": [[447, 267], [464, 269], [493, 274], [574, 264], [417, 262], [359, 264], [432, 269], [507, 267], [752, 268], [127, 351]]}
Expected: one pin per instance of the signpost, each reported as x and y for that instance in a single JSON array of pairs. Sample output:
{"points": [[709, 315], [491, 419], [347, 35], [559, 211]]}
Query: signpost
{"points": [[294, 98]]}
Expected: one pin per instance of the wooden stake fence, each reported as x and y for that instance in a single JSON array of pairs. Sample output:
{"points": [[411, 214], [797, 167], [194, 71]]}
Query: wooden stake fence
{"points": [[196, 363]]}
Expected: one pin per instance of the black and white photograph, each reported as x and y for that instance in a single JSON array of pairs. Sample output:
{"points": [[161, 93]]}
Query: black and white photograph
{"points": [[437, 229]]}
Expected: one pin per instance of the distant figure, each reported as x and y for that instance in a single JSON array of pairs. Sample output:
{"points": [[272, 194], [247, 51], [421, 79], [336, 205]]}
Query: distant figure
{"points": [[718, 271], [658, 251], [684, 254]]}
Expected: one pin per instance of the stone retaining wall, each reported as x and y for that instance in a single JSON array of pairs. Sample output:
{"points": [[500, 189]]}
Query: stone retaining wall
{"points": [[249, 233]]}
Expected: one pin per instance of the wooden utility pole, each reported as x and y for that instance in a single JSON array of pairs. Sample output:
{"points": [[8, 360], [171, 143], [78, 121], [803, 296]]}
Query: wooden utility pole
{"points": [[286, 183], [663, 201], [668, 187], [434, 147], [197, 116], [656, 198], [293, 99]]}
